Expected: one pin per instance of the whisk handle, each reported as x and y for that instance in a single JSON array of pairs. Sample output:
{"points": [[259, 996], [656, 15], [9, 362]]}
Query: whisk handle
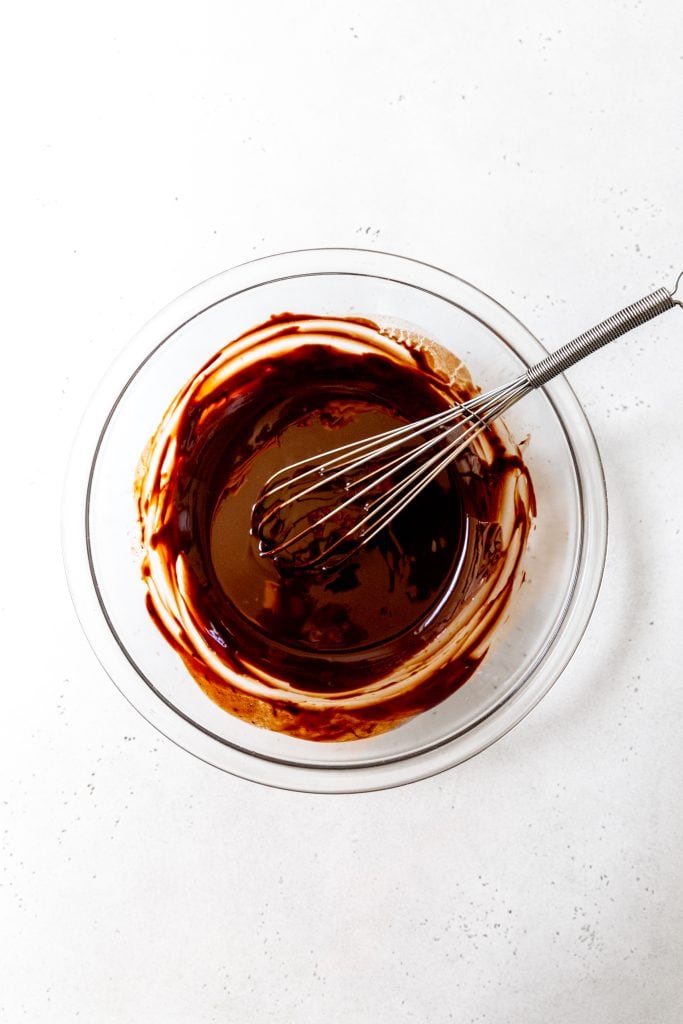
{"points": [[622, 322]]}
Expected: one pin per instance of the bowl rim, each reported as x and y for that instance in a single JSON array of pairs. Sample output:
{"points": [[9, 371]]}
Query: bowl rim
{"points": [[382, 773]]}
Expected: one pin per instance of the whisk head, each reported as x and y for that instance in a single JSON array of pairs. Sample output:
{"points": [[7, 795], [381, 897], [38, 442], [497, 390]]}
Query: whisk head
{"points": [[317, 512]]}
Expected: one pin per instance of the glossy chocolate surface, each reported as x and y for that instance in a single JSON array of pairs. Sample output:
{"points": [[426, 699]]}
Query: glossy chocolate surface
{"points": [[350, 651]]}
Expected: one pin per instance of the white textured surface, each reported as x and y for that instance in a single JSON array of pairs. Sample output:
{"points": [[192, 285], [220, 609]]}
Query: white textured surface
{"points": [[535, 149]]}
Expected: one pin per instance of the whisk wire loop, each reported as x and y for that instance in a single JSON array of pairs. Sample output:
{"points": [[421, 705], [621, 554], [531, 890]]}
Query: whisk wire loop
{"points": [[380, 475]]}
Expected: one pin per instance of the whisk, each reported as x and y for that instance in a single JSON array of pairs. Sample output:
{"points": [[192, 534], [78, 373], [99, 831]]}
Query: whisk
{"points": [[317, 512]]}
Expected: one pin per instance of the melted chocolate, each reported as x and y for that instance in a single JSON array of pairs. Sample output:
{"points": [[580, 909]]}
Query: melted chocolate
{"points": [[355, 649]]}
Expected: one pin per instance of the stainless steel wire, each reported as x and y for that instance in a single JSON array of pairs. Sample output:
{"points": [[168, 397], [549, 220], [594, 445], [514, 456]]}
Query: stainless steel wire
{"points": [[384, 473]]}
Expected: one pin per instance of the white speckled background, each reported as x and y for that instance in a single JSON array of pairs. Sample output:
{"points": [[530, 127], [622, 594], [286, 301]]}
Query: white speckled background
{"points": [[534, 147]]}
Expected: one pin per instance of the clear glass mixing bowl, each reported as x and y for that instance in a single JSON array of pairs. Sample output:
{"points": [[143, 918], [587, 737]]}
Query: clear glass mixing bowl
{"points": [[564, 562]]}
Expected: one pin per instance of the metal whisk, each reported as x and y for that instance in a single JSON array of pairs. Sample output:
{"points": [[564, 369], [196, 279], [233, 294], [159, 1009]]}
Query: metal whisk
{"points": [[317, 512]]}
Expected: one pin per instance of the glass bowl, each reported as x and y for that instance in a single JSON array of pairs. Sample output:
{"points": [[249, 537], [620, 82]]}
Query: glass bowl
{"points": [[564, 561]]}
